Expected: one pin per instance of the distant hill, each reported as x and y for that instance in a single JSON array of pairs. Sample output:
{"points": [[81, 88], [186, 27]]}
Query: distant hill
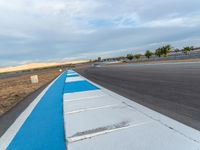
{"points": [[37, 65]]}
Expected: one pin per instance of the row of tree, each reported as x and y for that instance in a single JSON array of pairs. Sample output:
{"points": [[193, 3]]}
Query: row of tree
{"points": [[130, 56], [161, 51]]}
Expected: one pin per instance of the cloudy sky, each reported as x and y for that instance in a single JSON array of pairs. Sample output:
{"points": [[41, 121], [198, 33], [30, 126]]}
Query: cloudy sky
{"points": [[58, 30]]}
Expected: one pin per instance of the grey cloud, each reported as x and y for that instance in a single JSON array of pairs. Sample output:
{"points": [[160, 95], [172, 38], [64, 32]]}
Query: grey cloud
{"points": [[58, 29]]}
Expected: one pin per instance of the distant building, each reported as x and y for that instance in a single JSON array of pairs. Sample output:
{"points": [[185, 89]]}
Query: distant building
{"points": [[99, 59]]}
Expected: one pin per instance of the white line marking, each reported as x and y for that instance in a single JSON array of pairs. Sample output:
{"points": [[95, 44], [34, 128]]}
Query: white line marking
{"points": [[71, 74], [89, 97], [83, 137], [89, 109], [68, 97], [73, 79]]}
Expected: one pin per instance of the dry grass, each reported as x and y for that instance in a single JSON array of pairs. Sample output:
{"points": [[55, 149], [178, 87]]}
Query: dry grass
{"points": [[15, 89]]}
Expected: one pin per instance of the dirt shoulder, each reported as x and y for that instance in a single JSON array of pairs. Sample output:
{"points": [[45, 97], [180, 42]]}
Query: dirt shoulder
{"points": [[15, 89]]}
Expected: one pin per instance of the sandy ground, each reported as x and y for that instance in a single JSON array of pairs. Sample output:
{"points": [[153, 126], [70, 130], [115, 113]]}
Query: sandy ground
{"points": [[15, 89], [39, 65]]}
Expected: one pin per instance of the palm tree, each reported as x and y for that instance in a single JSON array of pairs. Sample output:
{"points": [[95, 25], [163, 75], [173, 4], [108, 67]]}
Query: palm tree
{"points": [[165, 50], [187, 49], [158, 52]]}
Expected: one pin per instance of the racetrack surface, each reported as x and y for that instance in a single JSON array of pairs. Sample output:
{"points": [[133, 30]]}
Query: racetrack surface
{"points": [[171, 89]]}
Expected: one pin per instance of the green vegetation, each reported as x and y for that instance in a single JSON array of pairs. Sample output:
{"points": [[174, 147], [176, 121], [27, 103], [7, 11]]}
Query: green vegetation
{"points": [[137, 56], [162, 51], [165, 50], [187, 49], [129, 56], [148, 54], [120, 58], [158, 52]]}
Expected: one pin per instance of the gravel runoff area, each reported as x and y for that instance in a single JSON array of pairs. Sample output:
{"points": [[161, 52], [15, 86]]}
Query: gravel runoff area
{"points": [[171, 89], [15, 89]]}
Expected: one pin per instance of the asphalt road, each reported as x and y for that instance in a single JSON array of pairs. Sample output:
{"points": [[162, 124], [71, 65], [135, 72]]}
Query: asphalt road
{"points": [[171, 89]]}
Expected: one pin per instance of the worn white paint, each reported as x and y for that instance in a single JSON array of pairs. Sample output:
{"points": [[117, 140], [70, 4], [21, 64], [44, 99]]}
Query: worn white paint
{"points": [[91, 135], [149, 136], [96, 119]]}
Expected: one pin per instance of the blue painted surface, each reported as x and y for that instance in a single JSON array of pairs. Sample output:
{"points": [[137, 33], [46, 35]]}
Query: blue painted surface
{"points": [[43, 129], [79, 86]]}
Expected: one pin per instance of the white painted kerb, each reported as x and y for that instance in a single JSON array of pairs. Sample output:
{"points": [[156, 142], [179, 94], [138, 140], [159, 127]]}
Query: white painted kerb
{"points": [[101, 119]]}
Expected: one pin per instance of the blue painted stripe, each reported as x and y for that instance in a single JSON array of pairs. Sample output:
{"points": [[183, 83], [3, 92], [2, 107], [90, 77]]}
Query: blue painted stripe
{"points": [[43, 129], [79, 86]]}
